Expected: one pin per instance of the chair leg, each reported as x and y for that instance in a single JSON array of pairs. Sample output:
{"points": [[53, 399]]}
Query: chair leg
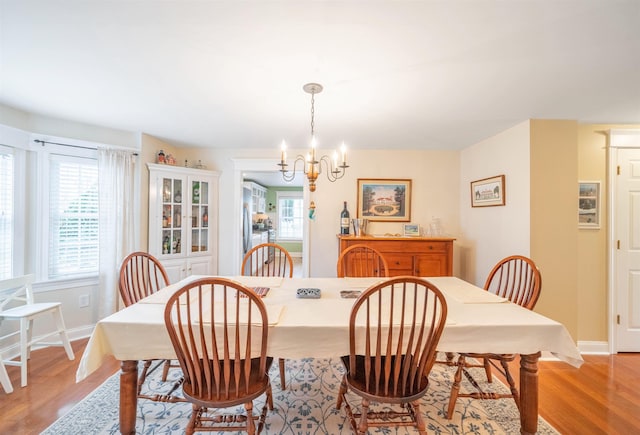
{"points": [[62, 330], [487, 369], [364, 424], [414, 409], [4, 379], [282, 377], [143, 375], [196, 410], [341, 393], [455, 388], [251, 425], [165, 369], [270, 397], [25, 345], [512, 383]]}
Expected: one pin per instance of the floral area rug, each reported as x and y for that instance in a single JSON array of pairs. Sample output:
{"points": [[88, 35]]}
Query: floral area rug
{"points": [[307, 406]]}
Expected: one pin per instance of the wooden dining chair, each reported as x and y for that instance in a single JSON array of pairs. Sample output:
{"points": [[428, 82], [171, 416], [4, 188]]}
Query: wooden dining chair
{"points": [[361, 261], [17, 303], [394, 328], [517, 279], [219, 330], [269, 259], [141, 275]]}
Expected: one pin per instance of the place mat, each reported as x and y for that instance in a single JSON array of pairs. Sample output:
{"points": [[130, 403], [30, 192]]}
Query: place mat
{"points": [[259, 281], [260, 291], [273, 313]]}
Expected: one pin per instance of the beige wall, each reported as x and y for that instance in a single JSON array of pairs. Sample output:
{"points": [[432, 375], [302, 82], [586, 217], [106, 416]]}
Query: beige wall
{"points": [[554, 229], [492, 233]]}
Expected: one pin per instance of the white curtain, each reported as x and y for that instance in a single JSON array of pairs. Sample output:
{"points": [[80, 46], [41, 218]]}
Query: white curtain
{"points": [[117, 221]]}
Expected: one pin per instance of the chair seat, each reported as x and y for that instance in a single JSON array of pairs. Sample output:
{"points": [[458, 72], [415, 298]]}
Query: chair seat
{"points": [[28, 310], [393, 395], [234, 396]]}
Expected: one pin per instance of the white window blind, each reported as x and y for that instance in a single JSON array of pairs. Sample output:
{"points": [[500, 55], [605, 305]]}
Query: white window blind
{"points": [[6, 212], [73, 216], [290, 215]]}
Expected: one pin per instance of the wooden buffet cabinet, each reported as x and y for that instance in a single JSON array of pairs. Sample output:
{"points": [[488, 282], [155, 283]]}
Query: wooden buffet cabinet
{"points": [[418, 256]]}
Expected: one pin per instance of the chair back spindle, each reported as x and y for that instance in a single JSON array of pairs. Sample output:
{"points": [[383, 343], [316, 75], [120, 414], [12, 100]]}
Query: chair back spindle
{"points": [[267, 259], [361, 261], [517, 279], [141, 275]]}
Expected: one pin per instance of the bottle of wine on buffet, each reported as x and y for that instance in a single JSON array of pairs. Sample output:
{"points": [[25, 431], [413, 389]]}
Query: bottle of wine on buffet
{"points": [[344, 220]]}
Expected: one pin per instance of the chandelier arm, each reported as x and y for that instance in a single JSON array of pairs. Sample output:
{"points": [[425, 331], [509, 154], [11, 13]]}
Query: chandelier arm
{"points": [[333, 172], [291, 175]]}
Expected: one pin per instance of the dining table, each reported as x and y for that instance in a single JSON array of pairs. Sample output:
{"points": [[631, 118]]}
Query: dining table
{"points": [[477, 322]]}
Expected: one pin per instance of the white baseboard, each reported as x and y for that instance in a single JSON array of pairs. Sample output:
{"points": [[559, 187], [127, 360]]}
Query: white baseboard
{"points": [[593, 347], [585, 348]]}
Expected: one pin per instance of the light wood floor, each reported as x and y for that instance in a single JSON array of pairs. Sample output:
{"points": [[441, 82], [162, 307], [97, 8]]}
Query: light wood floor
{"points": [[602, 397]]}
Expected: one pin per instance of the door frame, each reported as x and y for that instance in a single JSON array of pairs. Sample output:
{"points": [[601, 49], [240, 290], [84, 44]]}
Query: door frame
{"points": [[247, 165], [617, 138]]}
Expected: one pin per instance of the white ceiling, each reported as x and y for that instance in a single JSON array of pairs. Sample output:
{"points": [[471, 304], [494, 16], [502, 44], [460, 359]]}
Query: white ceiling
{"points": [[403, 74]]}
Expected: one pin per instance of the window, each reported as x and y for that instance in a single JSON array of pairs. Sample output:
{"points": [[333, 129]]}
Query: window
{"points": [[73, 216], [6, 212], [290, 215]]}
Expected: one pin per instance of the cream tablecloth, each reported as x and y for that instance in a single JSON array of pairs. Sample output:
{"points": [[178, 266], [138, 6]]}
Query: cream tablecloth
{"points": [[477, 322]]}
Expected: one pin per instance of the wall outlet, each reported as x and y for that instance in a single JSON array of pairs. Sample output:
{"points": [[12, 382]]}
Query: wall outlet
{"points": [[83, 301]]}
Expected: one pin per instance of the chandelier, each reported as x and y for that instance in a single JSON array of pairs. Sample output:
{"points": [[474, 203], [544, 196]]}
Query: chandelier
{"points": [[311, 164]]}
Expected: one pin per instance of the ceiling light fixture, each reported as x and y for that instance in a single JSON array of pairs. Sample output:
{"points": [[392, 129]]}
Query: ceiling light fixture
{"points": [[311, 165]]}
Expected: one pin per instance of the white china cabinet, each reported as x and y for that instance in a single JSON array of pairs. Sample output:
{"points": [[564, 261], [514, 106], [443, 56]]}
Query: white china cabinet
{"points": [[183, 225]]}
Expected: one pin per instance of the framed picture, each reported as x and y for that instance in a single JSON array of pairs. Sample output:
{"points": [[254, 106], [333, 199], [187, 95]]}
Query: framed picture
{"points": [[488, 192], [411, 230], [385, 200], [589, 204]]}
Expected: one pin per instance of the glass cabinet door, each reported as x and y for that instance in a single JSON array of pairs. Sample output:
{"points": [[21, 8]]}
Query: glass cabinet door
{"points": [[171, 216], [199, 216]]}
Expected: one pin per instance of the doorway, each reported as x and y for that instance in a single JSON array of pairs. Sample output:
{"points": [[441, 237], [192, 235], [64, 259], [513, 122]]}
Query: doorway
{"points": [[624, 194], [261, 172]]}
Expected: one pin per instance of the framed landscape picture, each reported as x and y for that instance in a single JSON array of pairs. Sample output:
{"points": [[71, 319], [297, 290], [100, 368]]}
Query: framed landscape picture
{"points": [[411, 230], [488, 192], [589, 204], [383, 200]]}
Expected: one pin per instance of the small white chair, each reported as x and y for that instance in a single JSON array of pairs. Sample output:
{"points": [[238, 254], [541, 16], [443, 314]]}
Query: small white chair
{"points": [[4, 379], [16, 303]]}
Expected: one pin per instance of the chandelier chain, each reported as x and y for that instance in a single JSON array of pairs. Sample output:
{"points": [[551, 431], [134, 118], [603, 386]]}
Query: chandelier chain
{"points": [[312, 112]]}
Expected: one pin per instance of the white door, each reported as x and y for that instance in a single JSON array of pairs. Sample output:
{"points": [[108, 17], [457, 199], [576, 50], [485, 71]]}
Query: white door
{"points": [[627, 255]]}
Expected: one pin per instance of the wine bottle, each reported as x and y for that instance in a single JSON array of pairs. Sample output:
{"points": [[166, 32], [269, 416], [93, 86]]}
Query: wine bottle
{"points": [[344, 220]]}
